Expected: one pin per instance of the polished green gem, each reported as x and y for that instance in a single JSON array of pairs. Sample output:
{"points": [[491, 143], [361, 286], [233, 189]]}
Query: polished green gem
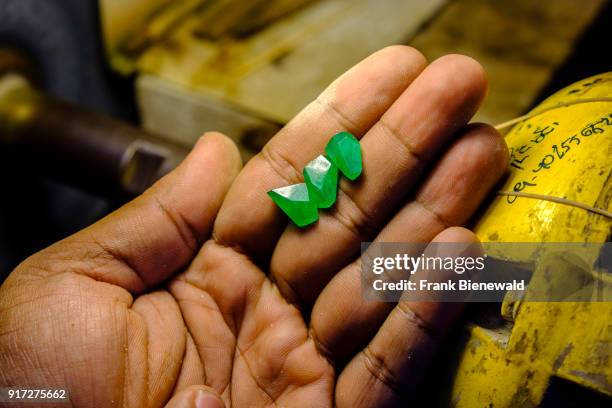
{"points": [[295, 202], [344, 151], [321, 178]]}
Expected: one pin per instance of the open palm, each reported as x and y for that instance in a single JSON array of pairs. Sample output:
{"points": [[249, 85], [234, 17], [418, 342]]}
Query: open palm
{"points": [[200, 286]]}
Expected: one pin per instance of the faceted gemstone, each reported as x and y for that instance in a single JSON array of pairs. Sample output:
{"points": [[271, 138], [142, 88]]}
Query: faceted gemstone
{"points": [[321, 178], [295, 202], [344, 151]]}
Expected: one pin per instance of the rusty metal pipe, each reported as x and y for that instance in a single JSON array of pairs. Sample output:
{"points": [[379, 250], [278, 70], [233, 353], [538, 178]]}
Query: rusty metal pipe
{"points": [[79, 146]]}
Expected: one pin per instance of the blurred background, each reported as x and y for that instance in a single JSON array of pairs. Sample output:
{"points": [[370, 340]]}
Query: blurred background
{"points": [[168, 70], [99, 98]]}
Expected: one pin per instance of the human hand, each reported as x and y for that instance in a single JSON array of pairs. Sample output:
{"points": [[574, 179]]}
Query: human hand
{"points": [[200, 289]]}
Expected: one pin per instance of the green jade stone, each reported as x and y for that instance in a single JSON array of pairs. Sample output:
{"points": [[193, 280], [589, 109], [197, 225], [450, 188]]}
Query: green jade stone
{"points": [[321, 178], [344, 151], [295, 202]]}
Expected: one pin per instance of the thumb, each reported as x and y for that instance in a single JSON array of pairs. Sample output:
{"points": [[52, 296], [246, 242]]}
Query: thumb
{"points": [[196, 396], [150, 238]]}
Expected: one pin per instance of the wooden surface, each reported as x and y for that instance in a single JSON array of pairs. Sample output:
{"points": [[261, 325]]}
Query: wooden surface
{"points": [[273, 73], [181, 115], [266, 78], [122, 19], [520, 43]]}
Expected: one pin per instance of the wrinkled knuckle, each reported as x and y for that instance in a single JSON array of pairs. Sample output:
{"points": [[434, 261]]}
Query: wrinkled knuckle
{"points": [[320, 345], [343, 119], [378, 369], [184, 229], [435, 214], [417, 321], [396, 136], [286, 287], [280, 164], [352, 217]]}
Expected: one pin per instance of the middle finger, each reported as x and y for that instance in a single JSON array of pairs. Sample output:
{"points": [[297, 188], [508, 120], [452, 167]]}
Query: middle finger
{"points": [[395, 151]]}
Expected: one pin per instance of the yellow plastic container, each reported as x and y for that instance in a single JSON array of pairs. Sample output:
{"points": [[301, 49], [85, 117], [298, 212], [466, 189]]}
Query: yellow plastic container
{"points": [[564, 152]]}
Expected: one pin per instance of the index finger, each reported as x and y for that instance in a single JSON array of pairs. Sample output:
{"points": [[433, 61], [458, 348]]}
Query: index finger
{"points": [[354, 102]]}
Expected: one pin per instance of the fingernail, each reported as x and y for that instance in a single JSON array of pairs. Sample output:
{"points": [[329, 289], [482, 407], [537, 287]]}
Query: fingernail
{"points": [[206, 400]]}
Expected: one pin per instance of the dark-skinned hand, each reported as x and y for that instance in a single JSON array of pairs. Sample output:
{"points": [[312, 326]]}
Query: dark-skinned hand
{"points": [[165, 300]]}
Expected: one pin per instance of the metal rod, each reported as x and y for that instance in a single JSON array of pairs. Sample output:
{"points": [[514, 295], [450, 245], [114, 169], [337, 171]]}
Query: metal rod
{"points": [[79, 146]]}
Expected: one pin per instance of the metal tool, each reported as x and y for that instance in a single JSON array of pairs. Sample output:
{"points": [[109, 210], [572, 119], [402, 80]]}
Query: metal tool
{"points": [[76, 145]]}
